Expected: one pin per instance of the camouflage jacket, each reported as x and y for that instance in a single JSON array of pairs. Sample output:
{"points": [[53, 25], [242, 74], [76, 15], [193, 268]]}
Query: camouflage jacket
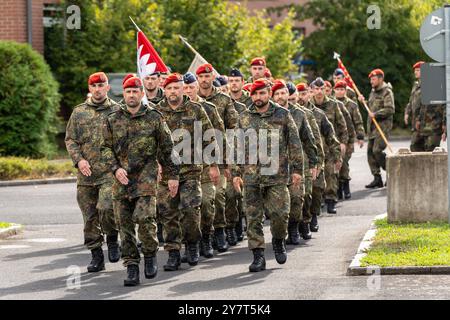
{"points": [[348, 122], [225, 107], [274, 168], [84, 139], [217, 123], [356, 117], [137, 143], [317, 137], [335, 116], [431, 118], [306, 136], [159, 96], [381, 103], [330, 142], [245, 99], [239, 106], [187, 117], [413, 104]]}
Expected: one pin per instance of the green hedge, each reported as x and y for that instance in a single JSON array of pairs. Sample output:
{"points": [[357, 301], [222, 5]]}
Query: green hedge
{"points": [[29, 102], [23, 168]]}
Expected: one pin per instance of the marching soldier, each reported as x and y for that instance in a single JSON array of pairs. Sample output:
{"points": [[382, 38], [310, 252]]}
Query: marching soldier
{"points": [[409, 112], [153, 91], [339, 75], [257, 69], [340, 90], [280, 94], [236, 83], [229, 116], [181, 214], [136, 139], [265, 185], [334, 115], [381, 104], [94, 180]]}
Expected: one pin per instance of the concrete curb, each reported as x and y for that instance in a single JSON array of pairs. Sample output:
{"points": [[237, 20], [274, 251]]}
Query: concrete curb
{"points": [[10, 231], [355, 268], [13, 183]]}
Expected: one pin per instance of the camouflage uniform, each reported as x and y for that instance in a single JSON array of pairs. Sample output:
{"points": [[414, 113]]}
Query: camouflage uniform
{"points": [[431, 120], [309, 161], [229, 116], [83, 142], [181, 215], [335, 116], [269, 192], [412, 105], [332, 154], [307, 199], [159, 96], [381, 102], [245, 99], [136, 143], [358, 129]]}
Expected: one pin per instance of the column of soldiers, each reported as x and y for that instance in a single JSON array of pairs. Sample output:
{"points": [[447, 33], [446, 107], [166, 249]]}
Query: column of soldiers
{"points": [[133, 172]]}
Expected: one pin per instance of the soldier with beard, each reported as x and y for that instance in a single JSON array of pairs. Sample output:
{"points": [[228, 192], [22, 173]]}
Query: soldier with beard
{"points": [[153, 91]]}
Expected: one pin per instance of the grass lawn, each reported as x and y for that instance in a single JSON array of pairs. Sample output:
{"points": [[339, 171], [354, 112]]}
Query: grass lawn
{"points": [[421, 244], [4, 225]]}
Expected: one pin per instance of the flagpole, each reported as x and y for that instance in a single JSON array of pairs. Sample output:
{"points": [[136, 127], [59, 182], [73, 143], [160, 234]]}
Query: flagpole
{"points": [[134, 24], [337, 56]]}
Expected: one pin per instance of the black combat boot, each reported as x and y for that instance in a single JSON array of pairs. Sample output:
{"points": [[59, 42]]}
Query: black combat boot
{"points": [[159, 234], [173, 262], [98, 260], [231, 236], [222, 244], [132, 276], [184, 258], [376, 183], [331, 206], [304, 230], [340, 191], [150, 267], [192, 253], [259, 262], [314, 224], [346, 189], [279, 249], [293, 234], [206, 246], [240, 230], [113, 248]]}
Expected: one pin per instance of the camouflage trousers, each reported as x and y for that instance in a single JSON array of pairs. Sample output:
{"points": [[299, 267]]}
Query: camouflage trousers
{"points": [[344, 173], [275, 201], [219, 217], [140, 211], [424, 143], [232, 212], [208, 208], [331, 178], [307, 198], [318, 188], [95, 203], [180, 216], [297, 194], [375, 155]]}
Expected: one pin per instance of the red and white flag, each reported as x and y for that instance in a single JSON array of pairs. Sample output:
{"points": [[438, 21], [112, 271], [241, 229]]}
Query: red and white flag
{"points": [[347, 76], [148, 60]]}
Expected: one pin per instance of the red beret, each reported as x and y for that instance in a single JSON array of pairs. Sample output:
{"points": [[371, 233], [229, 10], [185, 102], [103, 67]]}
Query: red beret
{"points": [[267, 73], [174, 77], [418, 64], [258, 85], [247, 86], [258, 62], [132, 82], [128, 76], [376, 72], [98, 77], [328, 84], [277, 85], [341, 84], [302, 87], [204, 68]]}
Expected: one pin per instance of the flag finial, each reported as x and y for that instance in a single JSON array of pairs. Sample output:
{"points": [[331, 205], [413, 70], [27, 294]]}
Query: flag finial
{"points": [[336, 55]]}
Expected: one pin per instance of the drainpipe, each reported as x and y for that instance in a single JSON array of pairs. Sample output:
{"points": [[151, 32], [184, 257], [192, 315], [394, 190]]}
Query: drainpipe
{"points": [[29, 22]]}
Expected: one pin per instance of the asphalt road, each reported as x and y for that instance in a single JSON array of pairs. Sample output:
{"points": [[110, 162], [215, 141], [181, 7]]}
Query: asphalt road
{"points": [[41, 263]]}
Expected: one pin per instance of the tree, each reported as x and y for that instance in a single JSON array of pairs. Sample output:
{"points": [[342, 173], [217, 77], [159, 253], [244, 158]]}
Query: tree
{"points": [[29, 102]]}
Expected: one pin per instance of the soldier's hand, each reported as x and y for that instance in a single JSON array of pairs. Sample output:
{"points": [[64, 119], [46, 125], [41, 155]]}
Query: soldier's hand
{"points": [[314, 173], [337, 166], [361, 98], [227, 173], [444, 136], [159, 178], [417, 125], [406, 119], [319, 170], [85, 168], [121, 175], [296, 179], [371, 115], [214, 175], [361, 143], [343, 148], [237, 182], [173, 187]]}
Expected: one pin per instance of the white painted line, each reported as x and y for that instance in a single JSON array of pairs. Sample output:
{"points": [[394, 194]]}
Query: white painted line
{"points": [[46, 240], [13, 246]]}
